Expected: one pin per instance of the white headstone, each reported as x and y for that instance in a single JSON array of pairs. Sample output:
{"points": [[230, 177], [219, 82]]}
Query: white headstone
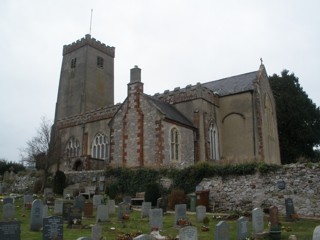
{"points": [[155, 218], [316, 233], [97, 200], [257, 221], [145, 208], [36, 215], [111, 206], [102, 213], [188, 233], [201, 212]]}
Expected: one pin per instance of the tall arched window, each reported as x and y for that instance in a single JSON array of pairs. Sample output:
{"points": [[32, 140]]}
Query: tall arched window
{"points": [[213, 142], [99, 147], [174, 144], [72, 148]]}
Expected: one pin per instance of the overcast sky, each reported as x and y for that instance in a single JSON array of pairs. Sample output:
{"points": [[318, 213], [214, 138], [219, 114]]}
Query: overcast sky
{"points": [[174, 42]]}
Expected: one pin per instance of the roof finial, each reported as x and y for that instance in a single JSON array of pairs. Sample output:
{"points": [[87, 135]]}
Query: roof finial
{"points": [[90, 21], [261, 61]]}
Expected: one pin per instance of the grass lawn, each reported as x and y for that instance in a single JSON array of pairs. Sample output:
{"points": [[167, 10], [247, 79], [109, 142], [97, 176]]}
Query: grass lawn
{"points": [[303, 228]]}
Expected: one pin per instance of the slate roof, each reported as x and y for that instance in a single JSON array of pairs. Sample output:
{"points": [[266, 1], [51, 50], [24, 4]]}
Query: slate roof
{"points": [[233, 85], [170, 111]]}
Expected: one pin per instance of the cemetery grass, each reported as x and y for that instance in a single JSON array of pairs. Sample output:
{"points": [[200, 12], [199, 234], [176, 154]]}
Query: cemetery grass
{"points": [[303, 228]]}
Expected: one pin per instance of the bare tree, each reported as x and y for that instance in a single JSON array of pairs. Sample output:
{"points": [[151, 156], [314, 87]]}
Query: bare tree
{"points": [[43, 150]]}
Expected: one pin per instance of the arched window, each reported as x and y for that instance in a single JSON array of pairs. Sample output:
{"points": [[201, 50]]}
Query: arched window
{"points": [[72, 148], [99, 147], [213, 142], [174, 144]]}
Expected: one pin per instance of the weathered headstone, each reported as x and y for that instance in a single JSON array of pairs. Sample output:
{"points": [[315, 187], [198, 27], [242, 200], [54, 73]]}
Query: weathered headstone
{"points": [[123, 209], [180, 212], [8, 212], [155, 218], [162, 203], [201, 212], [102, 213], [188, 233], [8, 200], [10, 230], [66, 210], [45, 211], [88, 209], [75, 214], [96, 232], [142, 237], [79, 202], [316, 233], [97, 200], [275, 227], [36, 215], [27, 201], [257, 221], [145, 208], [289, 209], [242, 228], [222, 231], [52, 228], [111, 206], [58, 207]]}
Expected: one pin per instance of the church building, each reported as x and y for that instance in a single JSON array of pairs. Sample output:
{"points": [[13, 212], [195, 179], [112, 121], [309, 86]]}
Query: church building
{"points": [[231, 120]]}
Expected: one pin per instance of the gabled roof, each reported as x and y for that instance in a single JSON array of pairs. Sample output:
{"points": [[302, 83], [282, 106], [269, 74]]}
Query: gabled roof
{"points": [[232, 85], [169, 111]]}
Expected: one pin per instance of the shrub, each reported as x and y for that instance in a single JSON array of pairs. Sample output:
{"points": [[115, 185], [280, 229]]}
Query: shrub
{"points": [[152, 193], [177, 196], [59, 182]]}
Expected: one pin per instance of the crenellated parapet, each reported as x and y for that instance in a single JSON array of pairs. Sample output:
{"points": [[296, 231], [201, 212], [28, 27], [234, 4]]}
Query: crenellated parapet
{"points": [[88, 40], [189, 93], [92, 116]]}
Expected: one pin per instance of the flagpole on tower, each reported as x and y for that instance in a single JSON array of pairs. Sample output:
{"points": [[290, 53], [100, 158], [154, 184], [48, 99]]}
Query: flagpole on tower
{"points": [[90, 22]]}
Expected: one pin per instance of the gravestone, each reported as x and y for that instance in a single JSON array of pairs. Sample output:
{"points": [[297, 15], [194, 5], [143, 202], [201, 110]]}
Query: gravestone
{"points": [[88, 209], [27, 201], [289, 209], [102, 213], [155, 218], [79, 202], [201, 212], [36, 215], [75, 213], [162, 203], [66, 210], [10, 230], [52, 228], [123, 209], [188, 233], [257, 221], [83, 238], [242, 228], [97, 200], [281, 184], [58, 207], [96, 232], [142, 237], [180, 212], [111, 206], [8, 212], [45, 211], [316, 233], [222, 231], [145, 208], [8, 200], [275, 227]]}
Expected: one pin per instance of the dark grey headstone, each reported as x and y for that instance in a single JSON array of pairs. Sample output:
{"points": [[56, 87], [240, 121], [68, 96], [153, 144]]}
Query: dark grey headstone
{"points": [[79, 202], [8, 212], [281, 184], [162, 203], [155, 218], [36, 215], [242, 228], [66, 210], [289, 208], [52, 228], [222, 231], [123, 209], [74, 213], [145, 208], [188, 233], [180, 212], [257, 221], [10, 230], [8, 200], [201, 212]]}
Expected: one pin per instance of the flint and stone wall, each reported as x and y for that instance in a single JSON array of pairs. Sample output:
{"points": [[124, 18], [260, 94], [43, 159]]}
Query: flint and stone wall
{"points": [[301, 182]]}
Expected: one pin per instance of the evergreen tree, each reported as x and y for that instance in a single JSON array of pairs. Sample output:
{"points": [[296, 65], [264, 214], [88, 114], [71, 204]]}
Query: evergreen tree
{"points": [[298, 118]]}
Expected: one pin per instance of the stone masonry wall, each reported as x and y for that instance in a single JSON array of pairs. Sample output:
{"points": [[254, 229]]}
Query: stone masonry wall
{"points": [[244, 193]]}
